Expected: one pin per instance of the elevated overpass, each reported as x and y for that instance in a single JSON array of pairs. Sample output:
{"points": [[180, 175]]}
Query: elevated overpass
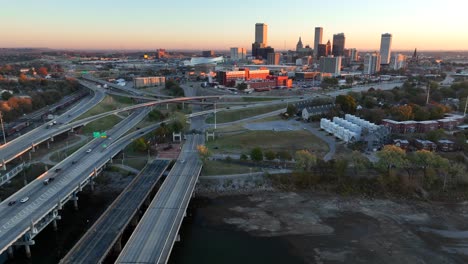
{"points": [[20, 223], [154, 237], [94, 246]]}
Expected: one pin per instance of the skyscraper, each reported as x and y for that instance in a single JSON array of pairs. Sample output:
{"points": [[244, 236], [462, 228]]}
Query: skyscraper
{"points": [[273, 58], [261, 34], [338, 44], [385, 48], [372, 63], [324, 50], [317, 39]]}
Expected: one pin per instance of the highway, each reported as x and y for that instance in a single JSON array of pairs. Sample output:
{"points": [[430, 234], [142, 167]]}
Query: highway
{"points": [[152, 240], [94, 246], [25, 142], [74, 172]]}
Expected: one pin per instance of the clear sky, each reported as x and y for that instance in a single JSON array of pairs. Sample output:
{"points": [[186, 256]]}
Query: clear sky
{"points": [[218, 24]]}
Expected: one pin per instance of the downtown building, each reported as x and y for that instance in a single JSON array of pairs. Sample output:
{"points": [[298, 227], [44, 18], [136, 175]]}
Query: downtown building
{"points": [[273, 58], [371, 63], [324, 50], [238, 54], [385, 48], [398, 61], [317, 41], [331, 65], [338, 44], [260, 48]]}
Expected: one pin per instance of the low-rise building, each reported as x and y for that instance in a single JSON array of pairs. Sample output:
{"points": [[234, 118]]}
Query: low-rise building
{"points": [[402, 143], [425, 145], [446, 145], [313, 111], [140, 82], [427, 126]]}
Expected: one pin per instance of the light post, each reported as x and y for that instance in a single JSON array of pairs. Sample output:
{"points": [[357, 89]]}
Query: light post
{"points": [[3, 127], [215, 115]]}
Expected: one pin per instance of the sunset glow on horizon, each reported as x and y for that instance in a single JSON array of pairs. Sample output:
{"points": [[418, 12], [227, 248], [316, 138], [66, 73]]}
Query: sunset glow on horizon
{"points": [[426, 25]]}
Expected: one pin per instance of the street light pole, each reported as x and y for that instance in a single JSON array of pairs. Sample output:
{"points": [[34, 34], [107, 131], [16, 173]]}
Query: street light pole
{"points": [[3, 128], [215, 115]]}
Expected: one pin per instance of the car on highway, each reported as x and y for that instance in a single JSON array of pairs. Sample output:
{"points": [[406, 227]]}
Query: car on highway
{"points": [[89, 150], [58, 169], [24, 199], [182, 161], [49, 180], [12, 202]]}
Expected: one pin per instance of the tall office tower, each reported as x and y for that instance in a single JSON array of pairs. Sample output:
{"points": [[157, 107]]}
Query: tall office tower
{"points": [[238, 54], [338, 44], [273, 58], [354, 54], [261, 34], [317, 39], [331, 65], [372, 63], [385, 48], [299, 45]]}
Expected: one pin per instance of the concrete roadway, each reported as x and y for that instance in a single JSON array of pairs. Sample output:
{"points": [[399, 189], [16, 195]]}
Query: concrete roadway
{"points": [[16, 220], [23, 143], [152, 240], [98, 241]]}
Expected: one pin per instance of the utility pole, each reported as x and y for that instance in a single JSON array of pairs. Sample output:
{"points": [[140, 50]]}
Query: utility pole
{"points": [[464, 113], [3, 127], [215, 115]]}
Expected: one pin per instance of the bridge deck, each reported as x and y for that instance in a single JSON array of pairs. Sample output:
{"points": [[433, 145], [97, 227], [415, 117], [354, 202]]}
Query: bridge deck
{"points": [[96, 243], [154, 236]]}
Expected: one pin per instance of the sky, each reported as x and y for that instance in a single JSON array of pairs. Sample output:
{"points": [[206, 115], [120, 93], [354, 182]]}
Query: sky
{"points": [[219, 25]]}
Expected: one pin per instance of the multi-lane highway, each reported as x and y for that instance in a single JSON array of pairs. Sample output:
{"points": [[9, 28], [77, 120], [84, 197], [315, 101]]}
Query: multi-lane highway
{"points": [[152, 240], [97, 242], [25, 142], [72, 174]]}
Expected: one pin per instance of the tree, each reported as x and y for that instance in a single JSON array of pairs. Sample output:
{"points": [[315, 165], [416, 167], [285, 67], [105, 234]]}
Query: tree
{"points": [[178, 123], [283, 155], [42, 71], [291, 110], [156, 115], [170, 84], [242, 86], [6, 96], [358, 162], [256, 154], [204, 152], [423, 159], [243, 157], [140, 144], [349, 80], [305, 160], [347, 103], [270, 155], [391, 157], [403, 113], [435, 135]]}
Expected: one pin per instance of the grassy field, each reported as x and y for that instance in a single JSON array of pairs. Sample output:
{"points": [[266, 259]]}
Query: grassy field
{"points": [[269, 140], [214, 167], [230, 116], [102, 124], [108, 104]]}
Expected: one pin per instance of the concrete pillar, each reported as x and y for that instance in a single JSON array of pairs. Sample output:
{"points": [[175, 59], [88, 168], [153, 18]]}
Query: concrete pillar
{"points": [[54, 224], [147, 202], [135, 220], [75, 201], [10, 252], [4, 165], [91, 184], [167, 106], [183, 105], [30, 156], [118, 245], [27, 248], [59, 205], [48, 145], [46, 167], [52, 139], [111, 161], [178, 238], [33, 149]]}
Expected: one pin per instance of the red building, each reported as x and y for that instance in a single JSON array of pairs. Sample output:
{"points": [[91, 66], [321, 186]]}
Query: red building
{"points": [[425, 144], [447, 123], [402, 143], [446, 145], [426, 126]]}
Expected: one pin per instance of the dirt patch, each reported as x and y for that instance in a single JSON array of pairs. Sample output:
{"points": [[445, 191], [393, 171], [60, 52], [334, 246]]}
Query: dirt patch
{"points": [[324, 228]]}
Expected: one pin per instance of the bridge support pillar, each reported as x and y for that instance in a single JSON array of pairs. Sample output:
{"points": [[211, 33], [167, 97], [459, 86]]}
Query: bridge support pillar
{"points": [[183, 105], [46, 167], [59, 205], [33, 149], [167, 106], [3, 165], [52, 139], [48, 145], [75, 201], [111, 161], [54, 225], [27, 248], [147, 202], [135, 220], [118, 245], [10, 252], [91, 184], [178, 238]]}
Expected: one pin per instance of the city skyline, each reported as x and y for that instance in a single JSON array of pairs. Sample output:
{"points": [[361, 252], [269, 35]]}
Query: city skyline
{"points": [[209, 25]]}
